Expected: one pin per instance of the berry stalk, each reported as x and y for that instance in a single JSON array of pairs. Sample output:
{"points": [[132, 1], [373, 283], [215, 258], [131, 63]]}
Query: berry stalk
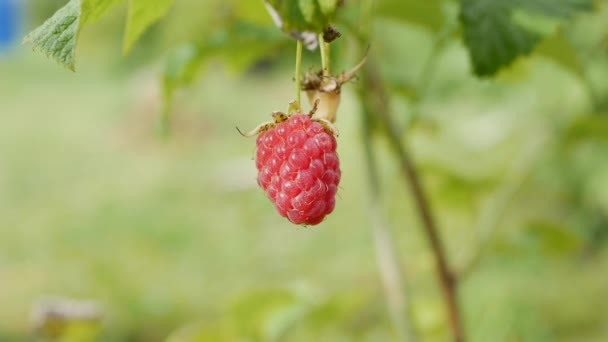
{"points": [[298, 73], [325, 61]]}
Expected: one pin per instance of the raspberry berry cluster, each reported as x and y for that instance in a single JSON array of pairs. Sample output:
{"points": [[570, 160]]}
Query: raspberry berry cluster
{"points": [[299, 169], [298, 166]]}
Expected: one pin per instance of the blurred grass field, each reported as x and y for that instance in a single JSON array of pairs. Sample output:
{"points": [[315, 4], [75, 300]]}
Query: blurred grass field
{"points": [[95, 205]]}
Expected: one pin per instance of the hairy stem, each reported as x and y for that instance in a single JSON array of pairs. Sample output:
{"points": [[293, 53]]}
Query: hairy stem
{"points": [[325, 61], [446, 278], [298, 73]]}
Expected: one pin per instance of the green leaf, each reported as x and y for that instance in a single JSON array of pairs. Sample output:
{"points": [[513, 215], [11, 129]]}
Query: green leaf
{"points": [[57, 37], [303, 15], [141, 15], [492, 38], [428, 14], [495, 40]]}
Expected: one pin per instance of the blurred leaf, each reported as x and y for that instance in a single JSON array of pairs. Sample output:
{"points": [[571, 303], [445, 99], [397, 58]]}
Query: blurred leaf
{"points": [[495, 40], [428, 315], [267, 315], [81, 331], [57, 36], [555, 8], [281, 321], [141, 15], [94, 9], [553, 239], [304, 15], [252, 12], [70, 330], [243, 44], [239, 46], [340, 311], [202, 332], [589, 127], [427, 14], [559, 50], [182, 66]]}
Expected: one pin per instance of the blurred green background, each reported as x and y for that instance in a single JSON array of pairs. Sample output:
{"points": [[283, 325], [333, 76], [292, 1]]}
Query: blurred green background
{"points": [[174, 238]]}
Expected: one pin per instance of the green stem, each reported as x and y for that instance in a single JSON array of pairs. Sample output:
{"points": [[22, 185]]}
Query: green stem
{"points": [[298, 73], [325, 62]]}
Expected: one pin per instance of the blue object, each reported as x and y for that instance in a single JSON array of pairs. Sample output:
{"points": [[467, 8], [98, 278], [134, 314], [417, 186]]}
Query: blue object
{"points": [[10, 23]]}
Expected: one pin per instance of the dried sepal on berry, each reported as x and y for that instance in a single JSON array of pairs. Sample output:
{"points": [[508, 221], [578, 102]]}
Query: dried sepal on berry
{"points": [[279, 117]]}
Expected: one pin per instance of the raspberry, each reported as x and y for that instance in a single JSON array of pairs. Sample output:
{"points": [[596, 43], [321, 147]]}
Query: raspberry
{"points": [[299, 169]]}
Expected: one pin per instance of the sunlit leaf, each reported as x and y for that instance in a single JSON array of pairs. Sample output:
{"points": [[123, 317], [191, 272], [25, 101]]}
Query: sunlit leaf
{"points": [[92, 10], [142, 14]]}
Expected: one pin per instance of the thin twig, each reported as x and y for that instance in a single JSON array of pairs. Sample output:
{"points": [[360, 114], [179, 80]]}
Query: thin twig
{"points": [[446, 278]]}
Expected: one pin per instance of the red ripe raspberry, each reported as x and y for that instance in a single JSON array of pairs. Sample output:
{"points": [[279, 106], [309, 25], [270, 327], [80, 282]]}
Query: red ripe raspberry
{"points": [[298, 168]]}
